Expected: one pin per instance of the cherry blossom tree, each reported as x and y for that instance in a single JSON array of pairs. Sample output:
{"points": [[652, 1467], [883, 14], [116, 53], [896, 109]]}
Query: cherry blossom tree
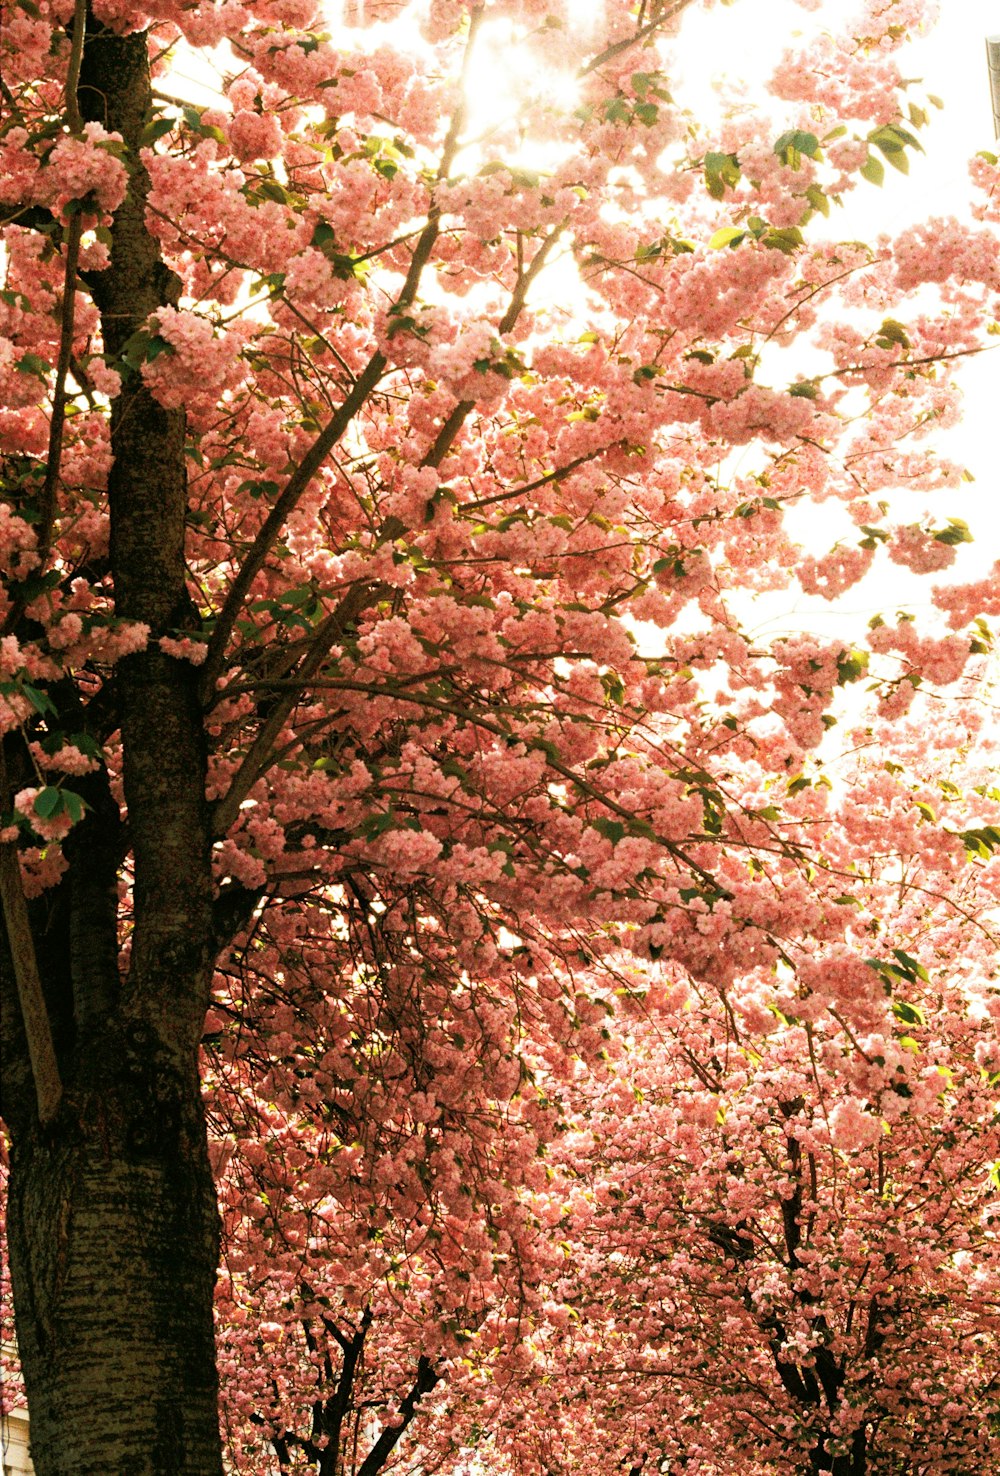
{"points": [[374, 665], [780, 1229]]}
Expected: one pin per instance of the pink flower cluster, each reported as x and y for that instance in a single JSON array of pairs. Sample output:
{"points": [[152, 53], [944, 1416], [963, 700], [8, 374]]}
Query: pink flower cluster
{"points": [[200, 364], [85, 168], [836, 571], [919, 550], [937, 659]]}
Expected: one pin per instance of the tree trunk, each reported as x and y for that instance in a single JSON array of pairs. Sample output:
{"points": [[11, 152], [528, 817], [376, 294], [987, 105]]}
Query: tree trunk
{"points": [[113, 1223], [113, 1246]]}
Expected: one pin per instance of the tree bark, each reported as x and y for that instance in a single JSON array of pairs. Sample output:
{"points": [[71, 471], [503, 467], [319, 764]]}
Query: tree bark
{"points": [[113, 1248], [113, 1224]]}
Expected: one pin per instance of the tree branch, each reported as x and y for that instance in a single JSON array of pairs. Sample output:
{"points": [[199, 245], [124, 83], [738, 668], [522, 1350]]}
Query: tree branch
{"points": [[661, 17], [54, 454], [257, 759], [479, 720], [336, 1408], [279, 514], [37, 1027], [389, 1438], [79, 35], [445, 437], [336, 427]]}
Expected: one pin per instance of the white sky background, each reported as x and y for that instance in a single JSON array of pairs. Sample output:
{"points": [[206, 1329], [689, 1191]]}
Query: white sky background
{"points": [[743, 42]]}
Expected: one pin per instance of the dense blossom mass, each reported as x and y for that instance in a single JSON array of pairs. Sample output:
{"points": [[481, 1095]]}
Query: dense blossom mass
{"points": [[586, 1004]]}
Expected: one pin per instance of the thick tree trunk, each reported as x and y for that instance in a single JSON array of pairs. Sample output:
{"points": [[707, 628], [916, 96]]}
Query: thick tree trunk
{"points": [[113, 1247], [113, 1222]]}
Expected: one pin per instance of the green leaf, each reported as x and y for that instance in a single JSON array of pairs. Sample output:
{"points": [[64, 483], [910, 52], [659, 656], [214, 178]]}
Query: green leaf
{"points": [[910, 965], [851, 665], [956, 532], [893, 332], [892, 140], [156, 128], [727, 236], [982, 841], [74, 804], [156, 347], [48, 802], [192, 117], [143, 347], [873, 171], [323, 235], [375, 825], [786, 239], [908, 1014], [302, 594], [39, 700], [259, 489], [33, 364], [612, 830], [791, 145], [818, 199], [270, 189], [721, 170]]}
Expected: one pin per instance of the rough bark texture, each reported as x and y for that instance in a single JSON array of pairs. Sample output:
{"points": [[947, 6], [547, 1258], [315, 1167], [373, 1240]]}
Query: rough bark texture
{"points": [[112, 1228], [113, 1223]]}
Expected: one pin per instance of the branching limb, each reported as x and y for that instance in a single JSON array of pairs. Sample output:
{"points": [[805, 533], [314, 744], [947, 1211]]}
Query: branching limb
{"points": [[390, 1436], [279, 514], [445, 438], [257, 760], [332, 432]]}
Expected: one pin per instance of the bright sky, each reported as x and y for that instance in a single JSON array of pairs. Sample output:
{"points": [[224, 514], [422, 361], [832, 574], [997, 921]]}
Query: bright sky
{"points": [[951, 61]]}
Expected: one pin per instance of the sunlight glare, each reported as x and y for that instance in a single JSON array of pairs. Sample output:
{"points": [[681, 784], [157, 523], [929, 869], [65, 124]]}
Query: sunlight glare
{"points": [[725, 54], [508, 85]]}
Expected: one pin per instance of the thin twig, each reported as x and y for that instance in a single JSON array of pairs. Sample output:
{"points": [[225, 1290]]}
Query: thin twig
{"points": [[57, 422], [659, 20], [480, 720], [71, 240]]}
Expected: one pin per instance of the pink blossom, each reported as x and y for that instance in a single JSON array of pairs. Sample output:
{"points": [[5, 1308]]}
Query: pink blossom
{"points": [[255, 135]]}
